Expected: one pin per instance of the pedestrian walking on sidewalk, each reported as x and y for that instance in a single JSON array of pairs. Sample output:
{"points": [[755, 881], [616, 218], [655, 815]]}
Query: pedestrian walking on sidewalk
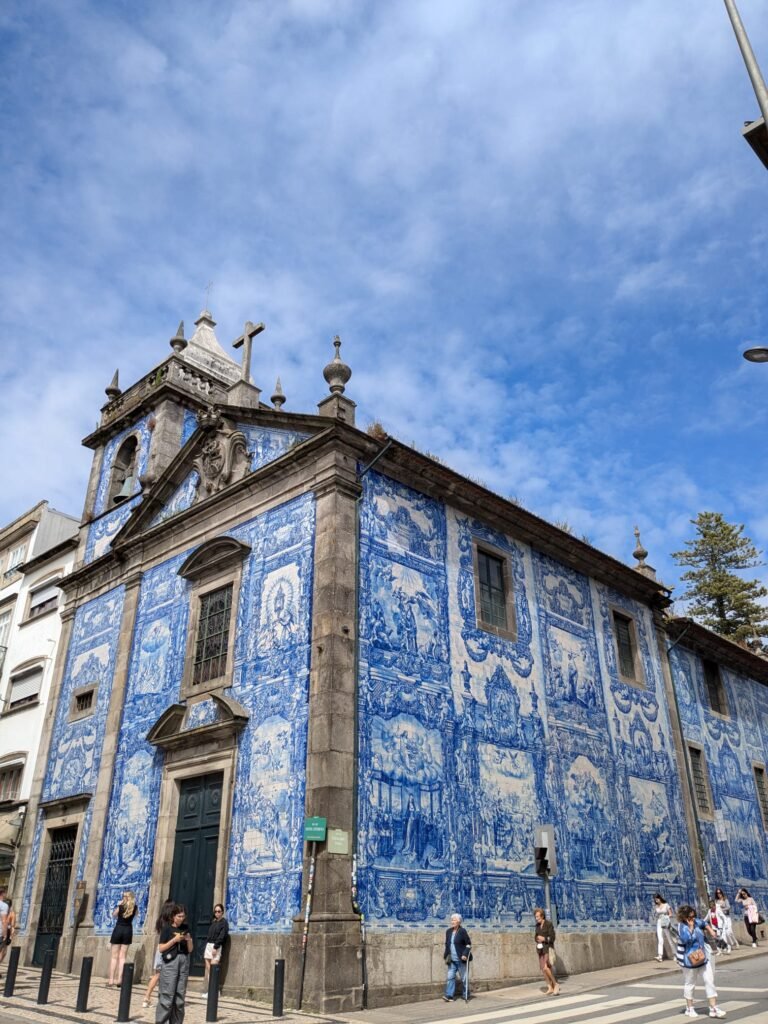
{"points": [[175, 947], [751, 913], [10, 929], [457, 954], [724, 912], [122, 936], [693, 957], [214, 946], [544, 936], [663, 916], [162, 920]]}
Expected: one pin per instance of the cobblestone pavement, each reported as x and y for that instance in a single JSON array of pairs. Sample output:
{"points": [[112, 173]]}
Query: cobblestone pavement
{"points": [[103, 1003]]}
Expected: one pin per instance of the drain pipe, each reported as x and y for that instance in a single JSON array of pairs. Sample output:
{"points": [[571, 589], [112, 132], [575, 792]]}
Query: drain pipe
{"points": [[356, 720]]}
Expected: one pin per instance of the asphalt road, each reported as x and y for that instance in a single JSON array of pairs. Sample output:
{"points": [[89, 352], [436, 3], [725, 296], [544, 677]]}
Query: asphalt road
{"points": [[742, 993]]}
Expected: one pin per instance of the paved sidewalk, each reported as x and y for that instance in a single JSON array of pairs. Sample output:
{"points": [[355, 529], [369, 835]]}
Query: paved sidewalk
{"points": [[529, 993], [103, 1003]]}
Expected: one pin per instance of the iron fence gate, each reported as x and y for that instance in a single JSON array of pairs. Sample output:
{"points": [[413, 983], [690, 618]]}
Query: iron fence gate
{"points": [[54, 905]]}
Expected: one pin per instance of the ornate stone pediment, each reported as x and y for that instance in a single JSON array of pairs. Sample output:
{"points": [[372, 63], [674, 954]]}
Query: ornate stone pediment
{"points": [[189, 724]]}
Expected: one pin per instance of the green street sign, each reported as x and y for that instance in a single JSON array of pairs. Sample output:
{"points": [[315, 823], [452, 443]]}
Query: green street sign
{"points": [[314, 828]]}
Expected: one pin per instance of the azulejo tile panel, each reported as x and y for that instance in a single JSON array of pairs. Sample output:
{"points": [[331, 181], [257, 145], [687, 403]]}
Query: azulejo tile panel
{"points": [[154, 679], [270, 679], [103, 531], [469, 739], [181, 499], [73, 765], [265, 444], [734, 839], [188, 425]]}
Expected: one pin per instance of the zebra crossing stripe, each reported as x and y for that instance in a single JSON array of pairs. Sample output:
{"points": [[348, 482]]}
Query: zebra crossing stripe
{"points": [[597, 1012], [558, 1009]]}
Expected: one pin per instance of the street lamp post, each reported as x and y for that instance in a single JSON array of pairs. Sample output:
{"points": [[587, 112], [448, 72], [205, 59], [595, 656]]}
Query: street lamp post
{"points": [[755, 132]]}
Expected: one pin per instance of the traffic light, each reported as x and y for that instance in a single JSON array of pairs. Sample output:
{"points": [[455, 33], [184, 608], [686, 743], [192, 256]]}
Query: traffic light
{"points": [[541, 859]]}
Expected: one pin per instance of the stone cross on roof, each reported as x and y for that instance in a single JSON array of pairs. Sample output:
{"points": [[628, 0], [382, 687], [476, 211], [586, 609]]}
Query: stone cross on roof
{"points": [[245, 341]]}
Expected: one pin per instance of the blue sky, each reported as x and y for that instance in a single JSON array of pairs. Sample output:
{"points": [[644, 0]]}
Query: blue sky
{"points": [[535, 226]]}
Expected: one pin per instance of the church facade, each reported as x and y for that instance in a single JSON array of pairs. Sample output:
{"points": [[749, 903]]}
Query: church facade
{"points": [[277, 616]]}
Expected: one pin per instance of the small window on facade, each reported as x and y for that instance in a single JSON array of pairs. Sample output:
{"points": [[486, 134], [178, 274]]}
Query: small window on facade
{"points": [[5, 629], [493, 598], [212, 641], [10, 781], [715, 688], [626, 649], [762, 793], [24, 688], [44, 600], [15, 559], [700, 781]]}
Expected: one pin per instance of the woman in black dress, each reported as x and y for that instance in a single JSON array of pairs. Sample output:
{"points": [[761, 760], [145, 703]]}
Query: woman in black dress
{"points": [[122, 936]]}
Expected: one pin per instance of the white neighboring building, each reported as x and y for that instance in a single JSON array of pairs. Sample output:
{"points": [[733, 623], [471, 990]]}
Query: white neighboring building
{"points": [[36, 551]]}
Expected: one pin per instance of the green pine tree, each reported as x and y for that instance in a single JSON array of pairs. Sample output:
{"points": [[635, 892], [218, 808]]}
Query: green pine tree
{"points": [[720, 598]]}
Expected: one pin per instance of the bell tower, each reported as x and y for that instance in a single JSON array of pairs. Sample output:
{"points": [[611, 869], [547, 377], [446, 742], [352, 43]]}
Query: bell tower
{"points": [[143, 427]]}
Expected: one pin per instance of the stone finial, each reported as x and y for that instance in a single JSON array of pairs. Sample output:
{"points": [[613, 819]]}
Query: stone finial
{"points": [[336, 372], [278, 398], [205, 318], [113, 390], [178, 341], [639, 553]]}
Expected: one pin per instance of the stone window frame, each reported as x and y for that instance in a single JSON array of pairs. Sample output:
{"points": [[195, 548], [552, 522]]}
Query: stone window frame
{"points": [[759, 771], [179, 767], [719, 686], [638, 679], [216, 564], [706, 813], [76, 715], [509, 590]]}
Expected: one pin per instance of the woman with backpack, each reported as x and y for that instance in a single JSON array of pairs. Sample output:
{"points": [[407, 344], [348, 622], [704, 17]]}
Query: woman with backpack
{"points": [[693, 957]]}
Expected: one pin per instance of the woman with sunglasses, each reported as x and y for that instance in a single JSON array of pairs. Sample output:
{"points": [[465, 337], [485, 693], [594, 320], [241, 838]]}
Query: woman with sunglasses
{"points": [[693, 957], [217, 936]]}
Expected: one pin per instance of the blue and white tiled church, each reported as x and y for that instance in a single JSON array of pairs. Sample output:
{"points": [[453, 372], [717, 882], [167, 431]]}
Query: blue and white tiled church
{"points": [[279, 616]]}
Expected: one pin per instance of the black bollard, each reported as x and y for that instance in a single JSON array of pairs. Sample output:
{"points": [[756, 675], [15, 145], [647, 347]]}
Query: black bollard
{"points": [[212, 1006], [85, 984], [45, 978], [126, 985], [279, 986], [13, 966]]}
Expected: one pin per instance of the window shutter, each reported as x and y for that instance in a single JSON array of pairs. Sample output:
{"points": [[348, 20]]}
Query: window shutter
{"points": [[25, 687]]}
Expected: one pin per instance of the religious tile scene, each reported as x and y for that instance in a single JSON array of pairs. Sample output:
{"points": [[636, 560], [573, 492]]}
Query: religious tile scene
{"points": [[302, 659]]}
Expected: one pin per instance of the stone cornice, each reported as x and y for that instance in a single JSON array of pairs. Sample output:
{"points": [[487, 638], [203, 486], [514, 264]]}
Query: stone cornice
{"points": [[691, 635]]}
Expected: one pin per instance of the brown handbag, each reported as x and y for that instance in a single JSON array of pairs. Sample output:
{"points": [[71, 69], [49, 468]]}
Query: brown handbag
{"points": [[696, 957]]}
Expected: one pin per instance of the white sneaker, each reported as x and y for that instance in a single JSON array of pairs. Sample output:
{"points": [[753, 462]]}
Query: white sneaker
{"points": [[754, 945], [691, 1012], [715, 1011], [204, 993], [728, 949]]}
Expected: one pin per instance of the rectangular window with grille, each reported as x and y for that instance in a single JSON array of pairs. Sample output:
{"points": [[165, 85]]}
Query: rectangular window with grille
{"points": [[212, 641], [626, 647], [762, 793], [10, 781], [715, 688], [700, 781], [493, 598]]}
